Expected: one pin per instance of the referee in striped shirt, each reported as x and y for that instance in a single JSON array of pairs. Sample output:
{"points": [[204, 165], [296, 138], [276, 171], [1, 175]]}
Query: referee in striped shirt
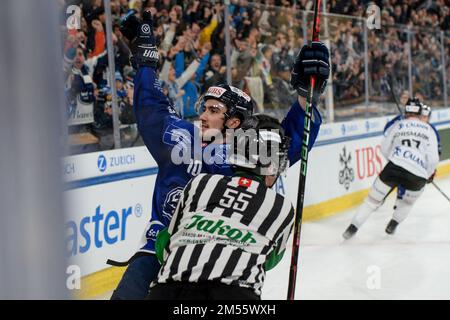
{"points": [[226, 232]]}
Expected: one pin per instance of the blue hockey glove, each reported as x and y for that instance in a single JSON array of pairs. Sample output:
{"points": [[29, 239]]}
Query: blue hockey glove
{"points": [[311, 60], [142, 39]]}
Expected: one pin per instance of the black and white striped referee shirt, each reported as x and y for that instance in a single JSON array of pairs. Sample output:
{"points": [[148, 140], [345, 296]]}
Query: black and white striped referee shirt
{"points": [[223, 229]]}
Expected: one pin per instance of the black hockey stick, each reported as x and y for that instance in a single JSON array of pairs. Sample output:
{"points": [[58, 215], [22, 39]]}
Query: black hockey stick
{"points": [[439, 189], [388, 85], [303, 167]]}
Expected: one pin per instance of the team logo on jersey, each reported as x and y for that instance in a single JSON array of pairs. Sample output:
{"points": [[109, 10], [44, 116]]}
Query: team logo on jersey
{"points": [[176, 135], [347, 174], [171, 202]]}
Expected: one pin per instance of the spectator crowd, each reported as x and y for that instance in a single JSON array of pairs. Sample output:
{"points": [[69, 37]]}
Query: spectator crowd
{"points": [[388, 49], [265, 38]]}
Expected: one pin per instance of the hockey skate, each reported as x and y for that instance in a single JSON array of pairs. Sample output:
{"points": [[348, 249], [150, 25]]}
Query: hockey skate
{"points": [[392, 225], [350, 232]]}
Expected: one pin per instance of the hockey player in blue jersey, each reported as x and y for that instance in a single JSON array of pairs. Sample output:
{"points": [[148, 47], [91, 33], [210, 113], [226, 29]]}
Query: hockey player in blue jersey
{"points": [[167, 136]]}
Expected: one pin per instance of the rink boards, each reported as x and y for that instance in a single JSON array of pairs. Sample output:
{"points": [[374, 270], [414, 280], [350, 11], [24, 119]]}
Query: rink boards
{"points": [[108, 194]]}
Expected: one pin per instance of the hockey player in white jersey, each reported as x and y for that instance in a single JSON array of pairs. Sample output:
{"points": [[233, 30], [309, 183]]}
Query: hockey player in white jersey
{"points": [[411, 147]]}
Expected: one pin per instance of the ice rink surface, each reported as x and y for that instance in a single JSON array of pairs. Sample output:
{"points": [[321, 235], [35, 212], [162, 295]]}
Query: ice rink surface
{"points": [[414, 263]]}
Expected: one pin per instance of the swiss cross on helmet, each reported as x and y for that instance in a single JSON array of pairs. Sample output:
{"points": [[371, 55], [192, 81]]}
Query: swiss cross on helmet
{"points": [[238, 103]]}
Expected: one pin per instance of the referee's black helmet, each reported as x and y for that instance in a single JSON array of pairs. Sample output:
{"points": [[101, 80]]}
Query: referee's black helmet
{"points": [[260, 146]]}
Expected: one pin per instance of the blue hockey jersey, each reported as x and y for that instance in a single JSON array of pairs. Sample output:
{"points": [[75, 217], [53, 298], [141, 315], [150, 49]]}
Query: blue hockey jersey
{"points": [[169, 138]]}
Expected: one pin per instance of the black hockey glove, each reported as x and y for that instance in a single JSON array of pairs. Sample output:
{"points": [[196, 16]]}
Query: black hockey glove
{"points": [[142, 39], [311, 60]]}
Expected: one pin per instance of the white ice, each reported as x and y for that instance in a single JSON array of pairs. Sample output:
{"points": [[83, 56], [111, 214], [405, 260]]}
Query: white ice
{"points": [[414, 263]]}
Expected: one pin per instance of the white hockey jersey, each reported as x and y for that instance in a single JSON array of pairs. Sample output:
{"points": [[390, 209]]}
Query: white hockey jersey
{"points": [[413, 145]]}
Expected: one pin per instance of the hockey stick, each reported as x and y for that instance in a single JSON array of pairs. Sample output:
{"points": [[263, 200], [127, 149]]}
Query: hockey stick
{"points": [[303, 166], [386, 82], [439, 189]]}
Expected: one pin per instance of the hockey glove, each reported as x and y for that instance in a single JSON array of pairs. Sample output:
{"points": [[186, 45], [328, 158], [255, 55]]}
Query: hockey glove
{"points": [[142, 39], [311, 60]]}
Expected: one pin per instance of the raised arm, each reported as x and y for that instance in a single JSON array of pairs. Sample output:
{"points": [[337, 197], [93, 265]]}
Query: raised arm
{"points": [[157, 121], [312, 60], [293, 125]]}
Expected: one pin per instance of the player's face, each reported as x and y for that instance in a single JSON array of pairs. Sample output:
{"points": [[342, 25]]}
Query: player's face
{"points": [[212, 119]]}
